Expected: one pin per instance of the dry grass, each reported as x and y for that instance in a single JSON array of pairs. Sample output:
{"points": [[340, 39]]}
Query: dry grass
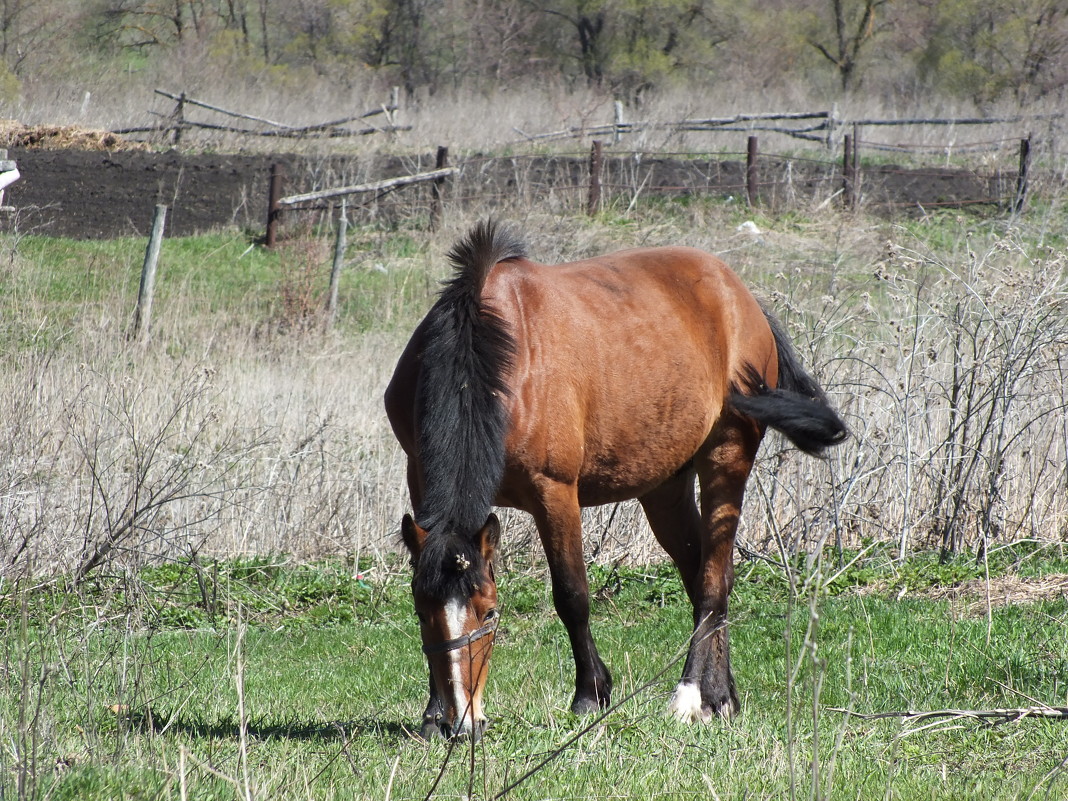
{"points": [[228, 453], [477, 121], [978, 596], [62, 137], [278, 443]]}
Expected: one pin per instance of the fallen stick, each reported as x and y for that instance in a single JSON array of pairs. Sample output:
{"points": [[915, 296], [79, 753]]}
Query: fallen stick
{"points": [[371, 187], [992, 715]]}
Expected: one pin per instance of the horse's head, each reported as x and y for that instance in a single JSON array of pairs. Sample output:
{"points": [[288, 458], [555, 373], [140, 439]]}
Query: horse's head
{"points": [[455, 595]]}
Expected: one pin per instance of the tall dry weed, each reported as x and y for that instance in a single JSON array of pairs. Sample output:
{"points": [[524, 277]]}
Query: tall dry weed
{"points": [[951, 376]]}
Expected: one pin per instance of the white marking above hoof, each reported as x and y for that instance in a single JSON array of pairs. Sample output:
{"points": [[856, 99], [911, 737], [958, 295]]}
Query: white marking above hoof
{"points": [[686, 704]]}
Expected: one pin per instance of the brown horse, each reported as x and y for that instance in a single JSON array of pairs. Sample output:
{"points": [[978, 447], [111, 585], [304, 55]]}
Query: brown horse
{"points": [[549, 388]]}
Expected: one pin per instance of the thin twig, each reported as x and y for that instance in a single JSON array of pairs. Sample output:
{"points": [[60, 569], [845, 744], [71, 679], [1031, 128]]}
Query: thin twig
{"points": [[995, 716], [600, 718], [392, 776]]}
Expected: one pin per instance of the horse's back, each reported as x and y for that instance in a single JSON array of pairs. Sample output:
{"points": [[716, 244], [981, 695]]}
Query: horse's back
{"points": [[623, 366], [645, 297]]}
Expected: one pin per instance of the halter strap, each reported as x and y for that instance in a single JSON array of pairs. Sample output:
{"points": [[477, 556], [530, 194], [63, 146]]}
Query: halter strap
{"points": [[465, 640]]}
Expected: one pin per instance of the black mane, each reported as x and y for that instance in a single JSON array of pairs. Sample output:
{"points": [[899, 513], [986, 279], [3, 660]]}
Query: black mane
{"points": [[461, 417]]}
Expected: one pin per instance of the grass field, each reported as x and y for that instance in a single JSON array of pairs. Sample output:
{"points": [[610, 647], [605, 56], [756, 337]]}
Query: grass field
{"points": [[199, 572], [306, 681]]}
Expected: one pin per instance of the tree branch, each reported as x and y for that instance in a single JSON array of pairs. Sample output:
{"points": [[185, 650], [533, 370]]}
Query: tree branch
{"points": [[992, 716]]}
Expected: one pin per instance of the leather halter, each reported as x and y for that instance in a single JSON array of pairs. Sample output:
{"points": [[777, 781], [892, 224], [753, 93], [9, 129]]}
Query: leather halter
{"points": [[465, 640]]}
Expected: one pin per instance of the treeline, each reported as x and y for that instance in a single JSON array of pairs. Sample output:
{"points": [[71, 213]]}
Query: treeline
{"points": [[980, 50]]}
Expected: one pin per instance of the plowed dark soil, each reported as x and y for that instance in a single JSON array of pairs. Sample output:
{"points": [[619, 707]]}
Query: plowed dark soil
{"points": [[94, 194]]}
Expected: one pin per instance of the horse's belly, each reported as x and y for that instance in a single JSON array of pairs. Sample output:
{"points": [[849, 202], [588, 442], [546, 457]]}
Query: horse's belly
{"points": [[629, 472]]}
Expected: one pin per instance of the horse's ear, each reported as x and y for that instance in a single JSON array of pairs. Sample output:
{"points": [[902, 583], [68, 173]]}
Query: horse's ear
{"points": [[488, 537], [414, 537]]}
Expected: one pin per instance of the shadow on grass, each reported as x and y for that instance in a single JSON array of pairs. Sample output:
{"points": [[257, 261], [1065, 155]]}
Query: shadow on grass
{"points": [[151, 722]]}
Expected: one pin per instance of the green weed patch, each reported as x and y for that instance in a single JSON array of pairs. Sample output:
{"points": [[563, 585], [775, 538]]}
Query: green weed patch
{"points": [[284, 680]]}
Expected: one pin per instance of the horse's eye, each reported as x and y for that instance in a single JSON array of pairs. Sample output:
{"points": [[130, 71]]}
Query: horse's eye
{"points": [[490, 615]]}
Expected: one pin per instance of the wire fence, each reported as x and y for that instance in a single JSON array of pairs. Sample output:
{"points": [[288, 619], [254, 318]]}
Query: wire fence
{"points": [[874, 168], [986, 172]]}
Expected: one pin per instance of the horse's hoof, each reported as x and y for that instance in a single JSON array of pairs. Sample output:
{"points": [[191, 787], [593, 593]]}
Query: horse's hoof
{"points": [[475, 732], [588, 706], [727, 711]]}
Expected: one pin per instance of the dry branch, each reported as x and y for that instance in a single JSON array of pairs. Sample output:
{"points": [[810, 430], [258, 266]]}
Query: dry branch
{"points": [[296, 133], [281, 128], [310, 131], [994, 716], [703, 124], [948, 120], [375, 186], [210, 107]]}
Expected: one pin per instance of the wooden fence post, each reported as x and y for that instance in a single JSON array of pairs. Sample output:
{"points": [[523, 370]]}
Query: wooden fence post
{"points": [[596, 162], [854, 168], [437, 189], [274, 210], [1021, 176], [751, 171], [849, 169], [617, 131], [143, 311], [339, 260], [179, 120]]}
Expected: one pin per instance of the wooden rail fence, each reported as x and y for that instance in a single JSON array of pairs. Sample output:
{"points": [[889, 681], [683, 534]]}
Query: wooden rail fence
{"points": [[761, 181], [175, 124]]}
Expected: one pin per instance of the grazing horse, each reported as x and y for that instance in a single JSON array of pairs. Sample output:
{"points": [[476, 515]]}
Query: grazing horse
{"points": [[550, 388]]}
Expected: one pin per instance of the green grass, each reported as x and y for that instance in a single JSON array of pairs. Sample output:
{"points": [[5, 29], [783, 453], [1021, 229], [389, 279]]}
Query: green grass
{"points": [[127, 686], [132, 685], [50, 288]]}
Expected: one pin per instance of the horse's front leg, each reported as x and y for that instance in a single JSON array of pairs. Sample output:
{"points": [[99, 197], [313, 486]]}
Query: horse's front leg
{"points": [[560, 526]]}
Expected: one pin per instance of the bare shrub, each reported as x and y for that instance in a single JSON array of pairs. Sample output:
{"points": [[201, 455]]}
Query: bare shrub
{"points": [[300, 290], [952, 377], [154, 470], [262, 452]]}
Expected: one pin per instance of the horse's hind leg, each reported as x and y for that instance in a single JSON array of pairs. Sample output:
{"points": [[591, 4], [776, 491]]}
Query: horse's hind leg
{"points": [[707, 685], [671, 510], [560, 527], [673, 516]]}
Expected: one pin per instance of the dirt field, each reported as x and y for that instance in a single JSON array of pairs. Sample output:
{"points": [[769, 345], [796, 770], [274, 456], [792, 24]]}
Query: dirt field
{"points": [[91, 194]]}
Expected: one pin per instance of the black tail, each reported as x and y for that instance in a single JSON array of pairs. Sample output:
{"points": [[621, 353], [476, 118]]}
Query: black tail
{"points": [[797, 407]]}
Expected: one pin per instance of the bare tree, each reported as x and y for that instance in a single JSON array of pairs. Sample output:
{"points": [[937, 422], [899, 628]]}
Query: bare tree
{"points": [[854, 27], [26, 26]]}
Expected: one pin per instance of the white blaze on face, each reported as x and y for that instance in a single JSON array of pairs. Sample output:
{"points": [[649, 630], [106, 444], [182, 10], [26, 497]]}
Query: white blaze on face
{"points": [[455, 617]]}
